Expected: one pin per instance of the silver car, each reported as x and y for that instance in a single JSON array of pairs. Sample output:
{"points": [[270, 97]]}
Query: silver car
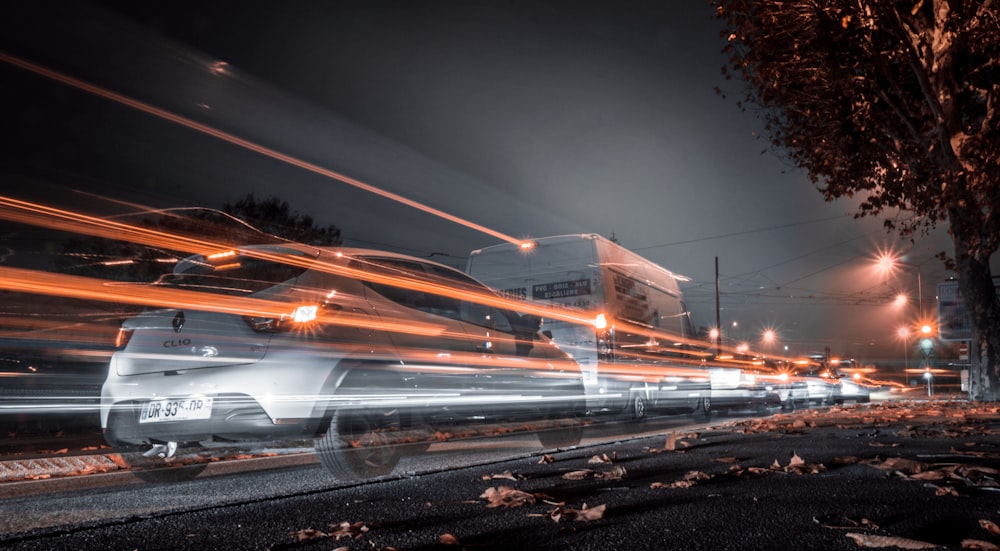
{"points": [[368, 352]]}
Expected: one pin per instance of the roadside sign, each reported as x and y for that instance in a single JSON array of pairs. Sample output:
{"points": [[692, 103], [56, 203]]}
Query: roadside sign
{"points": [[954, 323]]}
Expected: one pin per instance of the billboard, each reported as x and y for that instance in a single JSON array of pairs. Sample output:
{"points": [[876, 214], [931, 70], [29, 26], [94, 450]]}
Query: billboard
{"points": [[954, 323]]}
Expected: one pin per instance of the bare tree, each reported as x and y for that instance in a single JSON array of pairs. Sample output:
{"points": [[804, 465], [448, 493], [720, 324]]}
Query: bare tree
{"points": [[896, 103]]}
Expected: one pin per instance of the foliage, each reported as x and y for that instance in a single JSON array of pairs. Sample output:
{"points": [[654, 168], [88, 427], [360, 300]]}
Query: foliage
{"points": [[896, 104], [247, 221]]}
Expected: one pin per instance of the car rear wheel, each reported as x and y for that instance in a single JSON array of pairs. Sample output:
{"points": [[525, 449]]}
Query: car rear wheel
{"points": [[638, 409], [359, 443]]}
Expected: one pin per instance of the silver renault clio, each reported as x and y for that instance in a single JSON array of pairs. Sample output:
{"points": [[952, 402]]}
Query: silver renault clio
{"points": [[363, 350]]}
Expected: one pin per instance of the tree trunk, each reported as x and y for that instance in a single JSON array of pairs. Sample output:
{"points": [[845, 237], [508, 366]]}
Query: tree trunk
{"points": [[976, 285]]}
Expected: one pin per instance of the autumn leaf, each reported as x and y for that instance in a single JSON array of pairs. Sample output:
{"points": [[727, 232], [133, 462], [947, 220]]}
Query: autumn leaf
{"points": [[546, 459], [946, 491], [308, 534], [697, 475], [448, 539], [842, 523], [671, 444], [504, 475], [617, 473], [979, 544], [990, 527], [603, 458], [348, 530], [872, 540], [583, 514], [903, 464], [505, 496]]}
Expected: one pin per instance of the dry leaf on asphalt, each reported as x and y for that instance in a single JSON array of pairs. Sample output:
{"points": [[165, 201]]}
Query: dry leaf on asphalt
{"points": [[990, 527], [617, 473], [845, 523], [798, 465], [603, 458], [690, 479], [979, 544], [308, 534], [348, 530], [505, 496], [873, 540], [546, 459], [448, 539], [583, 514], [504, 475], [909, 466]]}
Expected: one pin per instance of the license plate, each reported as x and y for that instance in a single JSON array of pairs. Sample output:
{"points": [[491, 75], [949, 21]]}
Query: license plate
{"points": [[176, 409]]}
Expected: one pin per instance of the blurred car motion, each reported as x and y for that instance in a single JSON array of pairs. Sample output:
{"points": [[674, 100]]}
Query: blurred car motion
{"points": [[368, 352]]}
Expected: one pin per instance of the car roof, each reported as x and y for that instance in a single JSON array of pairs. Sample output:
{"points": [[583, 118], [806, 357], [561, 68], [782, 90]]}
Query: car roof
{"points": [[318, 251]]}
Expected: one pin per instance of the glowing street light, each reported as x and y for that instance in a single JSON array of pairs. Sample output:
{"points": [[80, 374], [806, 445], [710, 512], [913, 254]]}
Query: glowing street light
{"points": [[886, 264]]}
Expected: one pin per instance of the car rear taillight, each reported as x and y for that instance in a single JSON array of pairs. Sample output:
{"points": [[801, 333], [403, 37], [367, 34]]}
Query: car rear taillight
{"points": [[298, 317], [121, 339]]}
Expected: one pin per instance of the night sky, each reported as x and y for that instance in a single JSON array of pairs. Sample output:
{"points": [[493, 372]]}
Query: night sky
{"points": [[530, 118]]}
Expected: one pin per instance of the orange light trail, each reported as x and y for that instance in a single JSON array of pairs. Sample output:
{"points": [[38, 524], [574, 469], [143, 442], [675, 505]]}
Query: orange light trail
{"points": [[246, 144], [44, 216], [46, 283]]}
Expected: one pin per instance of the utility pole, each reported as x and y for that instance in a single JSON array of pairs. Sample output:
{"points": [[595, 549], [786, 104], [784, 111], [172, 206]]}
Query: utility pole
{"points": [[718, 317]]}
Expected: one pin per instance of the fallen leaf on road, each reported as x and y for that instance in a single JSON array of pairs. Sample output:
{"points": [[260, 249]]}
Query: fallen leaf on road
{"points": [[990, 527], [504, 475], [675, 484], [448, 539], [841, 523], [603, 458], [583, 514], [348, 530], [505, 496], [690, 479], [308, 534], [909, 466], [546, 459], [725, 459], [873, 540], [979, 544], [617, 473]]}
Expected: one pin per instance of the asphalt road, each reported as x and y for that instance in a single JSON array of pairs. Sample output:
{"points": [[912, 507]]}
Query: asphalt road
{"points": [[859, 477]]}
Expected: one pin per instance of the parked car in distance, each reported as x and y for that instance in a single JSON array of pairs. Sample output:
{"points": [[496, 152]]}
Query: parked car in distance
{"points": [[362, 350]]}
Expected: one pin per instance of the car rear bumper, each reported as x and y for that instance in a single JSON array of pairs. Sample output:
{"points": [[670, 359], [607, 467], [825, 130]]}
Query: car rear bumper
{"points": [[233, 417]]}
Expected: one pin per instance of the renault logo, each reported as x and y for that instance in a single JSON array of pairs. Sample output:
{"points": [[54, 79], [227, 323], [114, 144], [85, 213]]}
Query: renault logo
{"points": [[178, 322]]}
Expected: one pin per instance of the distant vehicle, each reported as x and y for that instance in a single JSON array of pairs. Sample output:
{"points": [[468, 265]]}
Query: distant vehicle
{"points": [[764, 385], [829, 384], [853, 390], [636, 349], [360, 349]]}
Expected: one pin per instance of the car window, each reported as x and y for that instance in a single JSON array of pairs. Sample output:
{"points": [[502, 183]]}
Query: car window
{"points": [[231, 274], [416, 299], [455, 308], [485, 316]]}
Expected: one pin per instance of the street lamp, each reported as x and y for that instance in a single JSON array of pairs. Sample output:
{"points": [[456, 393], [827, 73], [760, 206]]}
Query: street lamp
{"points": [[887, 264]]}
